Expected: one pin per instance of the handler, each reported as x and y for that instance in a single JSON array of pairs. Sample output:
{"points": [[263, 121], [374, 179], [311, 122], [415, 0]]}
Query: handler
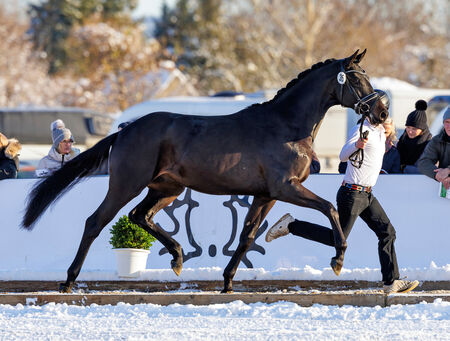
{"points": [[355, 199]]}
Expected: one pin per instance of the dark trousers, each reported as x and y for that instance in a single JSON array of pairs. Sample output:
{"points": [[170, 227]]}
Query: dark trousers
{"points": [[351, 205]]}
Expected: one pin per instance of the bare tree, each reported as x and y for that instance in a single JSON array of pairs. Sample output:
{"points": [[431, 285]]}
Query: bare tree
{"points": [[265, 43], [116, 62], [108, 71], [23, 74]]}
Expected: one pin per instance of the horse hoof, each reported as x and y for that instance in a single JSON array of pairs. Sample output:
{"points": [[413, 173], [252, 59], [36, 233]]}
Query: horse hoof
{"points": [[176, 267], [336, 265], [64, 288], [227, 291]]}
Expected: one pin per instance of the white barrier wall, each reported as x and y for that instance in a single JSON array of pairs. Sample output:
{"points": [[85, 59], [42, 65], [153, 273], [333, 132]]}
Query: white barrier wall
{"points": [[420, 217]]}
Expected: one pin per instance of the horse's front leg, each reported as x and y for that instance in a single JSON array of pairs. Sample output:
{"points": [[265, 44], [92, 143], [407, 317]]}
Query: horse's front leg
{"points": [[295, 193], [143, 215], [256, 214]]}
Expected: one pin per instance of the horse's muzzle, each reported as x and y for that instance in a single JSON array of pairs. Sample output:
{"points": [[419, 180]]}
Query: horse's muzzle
{"points": [[372, 106]]}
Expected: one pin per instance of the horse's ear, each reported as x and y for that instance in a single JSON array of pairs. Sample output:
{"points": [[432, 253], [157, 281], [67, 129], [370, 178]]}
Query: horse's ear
{"points": [[360, 57], [352, 58]]}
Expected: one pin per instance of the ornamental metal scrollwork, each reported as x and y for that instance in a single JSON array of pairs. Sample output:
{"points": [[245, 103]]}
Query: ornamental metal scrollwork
{"points": [[234, 216], [191, 204], [212, 250]]}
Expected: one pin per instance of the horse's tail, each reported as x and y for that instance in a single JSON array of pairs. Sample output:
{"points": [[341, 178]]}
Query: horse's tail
{"points": [[49, 189]]}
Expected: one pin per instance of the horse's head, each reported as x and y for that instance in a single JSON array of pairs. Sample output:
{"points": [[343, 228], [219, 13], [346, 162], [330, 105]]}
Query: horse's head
{"points": [[355, 91]]}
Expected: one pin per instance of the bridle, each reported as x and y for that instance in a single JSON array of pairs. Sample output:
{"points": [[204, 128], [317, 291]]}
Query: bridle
{"points": [[361, 107]]}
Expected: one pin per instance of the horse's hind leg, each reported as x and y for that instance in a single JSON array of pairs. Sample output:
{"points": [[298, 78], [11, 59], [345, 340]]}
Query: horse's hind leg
{"points": [[256, 214], [94, 225], [297, 194], [158, 198]]}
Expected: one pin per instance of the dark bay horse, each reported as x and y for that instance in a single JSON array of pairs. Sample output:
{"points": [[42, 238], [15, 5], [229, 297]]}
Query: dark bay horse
{"points": [[263, 151]]}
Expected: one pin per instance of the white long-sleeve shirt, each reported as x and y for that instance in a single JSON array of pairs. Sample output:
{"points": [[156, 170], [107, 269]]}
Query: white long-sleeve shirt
{"points": [[374, 150]]}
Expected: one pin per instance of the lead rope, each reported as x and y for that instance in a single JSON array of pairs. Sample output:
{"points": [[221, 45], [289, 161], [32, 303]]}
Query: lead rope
{"points": [[357, 157]]}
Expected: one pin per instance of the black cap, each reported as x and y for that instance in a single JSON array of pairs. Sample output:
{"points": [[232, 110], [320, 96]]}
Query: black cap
{"points": [[123, 125], [418, 117]]}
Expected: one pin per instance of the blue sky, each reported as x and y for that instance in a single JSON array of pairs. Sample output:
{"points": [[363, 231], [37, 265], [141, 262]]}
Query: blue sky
{"points": [[145, 7], [150, 7]]}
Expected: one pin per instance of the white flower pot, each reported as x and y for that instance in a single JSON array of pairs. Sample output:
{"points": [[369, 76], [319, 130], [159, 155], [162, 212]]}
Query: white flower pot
{"points": [[131, 261]]}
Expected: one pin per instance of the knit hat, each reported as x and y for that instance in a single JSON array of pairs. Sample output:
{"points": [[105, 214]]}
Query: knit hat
{"points": [[418, 118], [60, 132], [446, 113]]}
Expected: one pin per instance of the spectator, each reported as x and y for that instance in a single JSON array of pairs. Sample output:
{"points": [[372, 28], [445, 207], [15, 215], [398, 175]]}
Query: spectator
{"points": [[9, 157], [435, 160], [122, 125], [60, 152], [391, 158], [342, 167], [314, 168], [414, 140]]}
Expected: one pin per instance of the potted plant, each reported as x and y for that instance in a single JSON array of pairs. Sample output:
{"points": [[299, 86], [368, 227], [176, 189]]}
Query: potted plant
{"points": [[131, 244]]}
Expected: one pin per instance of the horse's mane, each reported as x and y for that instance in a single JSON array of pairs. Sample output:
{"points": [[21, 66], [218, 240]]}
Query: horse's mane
{"points": [[300, 76]]}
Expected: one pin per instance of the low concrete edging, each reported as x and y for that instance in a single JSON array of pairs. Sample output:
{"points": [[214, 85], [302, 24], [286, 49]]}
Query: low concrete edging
{"points": [[366, 299], [238, 286], [304, 293]]}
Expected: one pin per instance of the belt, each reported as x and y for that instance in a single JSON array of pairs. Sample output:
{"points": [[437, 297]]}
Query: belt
{"points": [[358, 188]]}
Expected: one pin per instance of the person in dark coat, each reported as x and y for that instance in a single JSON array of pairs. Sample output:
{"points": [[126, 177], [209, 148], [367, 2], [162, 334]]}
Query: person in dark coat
{"points": [[391, 158], [9, 157], [415, 138], [435, 160], [122, 125], [314, 168]]}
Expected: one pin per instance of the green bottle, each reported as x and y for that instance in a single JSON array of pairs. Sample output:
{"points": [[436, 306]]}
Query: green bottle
{"points": [[443, 192]]}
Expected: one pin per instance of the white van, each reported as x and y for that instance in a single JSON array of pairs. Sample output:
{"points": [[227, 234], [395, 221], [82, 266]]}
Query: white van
{"points": [[329, 140], [204, 106]]}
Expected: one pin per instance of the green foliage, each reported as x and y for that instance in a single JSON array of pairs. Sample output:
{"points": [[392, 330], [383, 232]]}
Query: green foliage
{"points": [[52, 21], [125, 234], [50, 25], [183, 29], [194, 33]]}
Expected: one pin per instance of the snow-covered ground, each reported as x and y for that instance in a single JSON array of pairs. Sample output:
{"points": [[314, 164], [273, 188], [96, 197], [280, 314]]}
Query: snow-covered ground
{"points": [[231, 321], [431, 273]]}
